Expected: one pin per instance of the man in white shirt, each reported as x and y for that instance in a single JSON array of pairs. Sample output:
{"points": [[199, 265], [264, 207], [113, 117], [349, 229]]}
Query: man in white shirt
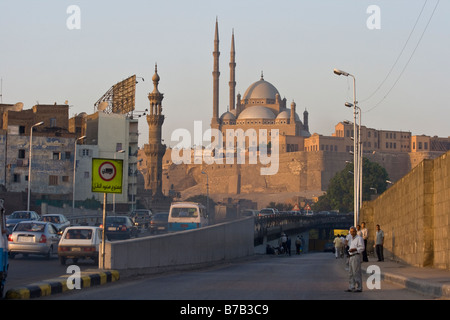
{"points": [[356, 248]]}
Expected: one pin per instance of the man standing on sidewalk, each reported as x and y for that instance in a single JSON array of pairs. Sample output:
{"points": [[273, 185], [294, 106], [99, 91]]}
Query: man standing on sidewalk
{"points": [[379, 240], [356, 248], [365, 236]]}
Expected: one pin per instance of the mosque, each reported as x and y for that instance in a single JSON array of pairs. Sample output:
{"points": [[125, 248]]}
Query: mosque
{"points": [[261, 107]]}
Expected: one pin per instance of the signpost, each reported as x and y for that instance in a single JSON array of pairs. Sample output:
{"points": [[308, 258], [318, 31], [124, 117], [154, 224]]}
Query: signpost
{"points": [[106, 178]]}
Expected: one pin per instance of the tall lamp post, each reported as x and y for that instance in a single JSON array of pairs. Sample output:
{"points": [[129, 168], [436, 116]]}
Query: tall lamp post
{"points": [[357, 167], [114, 195], [207, 191], [29, 162], [74, 169]]}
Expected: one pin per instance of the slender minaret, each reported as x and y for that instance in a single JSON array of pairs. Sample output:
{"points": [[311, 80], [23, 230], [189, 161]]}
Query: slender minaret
{"points": [[305, 120], [216, 74], [155, 150], [232, 82]]}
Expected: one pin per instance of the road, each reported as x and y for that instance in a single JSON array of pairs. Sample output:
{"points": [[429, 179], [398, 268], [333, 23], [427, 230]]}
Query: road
{"points": [[314, 276]]}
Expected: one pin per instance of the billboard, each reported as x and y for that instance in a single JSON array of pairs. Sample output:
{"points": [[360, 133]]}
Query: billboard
{"points": [[120, 98], [107, 175]]}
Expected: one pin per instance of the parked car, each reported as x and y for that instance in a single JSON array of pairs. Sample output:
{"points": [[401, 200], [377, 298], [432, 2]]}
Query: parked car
{"points": [[267, 212], [81, 242], [18, 216], [33, 237], [58, 220], [141, 217], [120, 227], [159, 222]]}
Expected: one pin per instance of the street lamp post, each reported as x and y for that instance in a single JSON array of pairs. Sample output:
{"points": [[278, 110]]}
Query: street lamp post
{"points": [[74, 169], [357, 166], [114, 195], [207, 191], [29, 162]]}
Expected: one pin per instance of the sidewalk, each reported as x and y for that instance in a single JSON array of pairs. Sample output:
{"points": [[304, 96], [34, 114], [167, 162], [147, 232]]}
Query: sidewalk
{"points": [[429, 281]]}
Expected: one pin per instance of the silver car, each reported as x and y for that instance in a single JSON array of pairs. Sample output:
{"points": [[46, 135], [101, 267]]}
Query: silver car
{"points": [[33, 237]]}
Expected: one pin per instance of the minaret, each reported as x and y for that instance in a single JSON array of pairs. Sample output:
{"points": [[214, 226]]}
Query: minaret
{"points": [[232, 82], [216, 74], [305, 120], [155, 150]]}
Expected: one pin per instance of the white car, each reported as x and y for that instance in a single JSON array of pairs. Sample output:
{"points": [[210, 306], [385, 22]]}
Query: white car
{"points": [[80, 242]]}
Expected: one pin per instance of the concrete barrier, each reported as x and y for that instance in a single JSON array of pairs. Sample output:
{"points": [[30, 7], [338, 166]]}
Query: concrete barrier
{"points": [[181, 250]]}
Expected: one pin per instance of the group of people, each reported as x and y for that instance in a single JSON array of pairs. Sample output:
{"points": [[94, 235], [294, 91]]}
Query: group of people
{"points": [[284, 245], [353, 247]]}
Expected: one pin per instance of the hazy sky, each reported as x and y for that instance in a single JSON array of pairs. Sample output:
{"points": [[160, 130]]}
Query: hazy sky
{"points": [[295, 43]]}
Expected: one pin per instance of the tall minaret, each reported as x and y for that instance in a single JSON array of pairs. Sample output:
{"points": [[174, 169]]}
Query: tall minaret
{"points": [[216, 74], [232, 82], [155, 150]]}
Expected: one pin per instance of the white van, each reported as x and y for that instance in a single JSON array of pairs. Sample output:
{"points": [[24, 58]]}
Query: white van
{"points": [[187, 215]]}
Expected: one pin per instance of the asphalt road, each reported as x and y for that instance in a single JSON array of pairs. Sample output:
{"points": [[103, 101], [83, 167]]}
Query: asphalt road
{"points": [[314, 276]]}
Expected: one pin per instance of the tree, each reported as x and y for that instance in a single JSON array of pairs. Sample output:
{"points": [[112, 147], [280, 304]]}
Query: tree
{"points": [[339, 195]]}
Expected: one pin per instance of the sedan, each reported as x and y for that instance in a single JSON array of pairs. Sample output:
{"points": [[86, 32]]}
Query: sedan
{"points": [[33, 237], [159, 222], [18, 216], [58, 220], [80, 243], [120, 227]]}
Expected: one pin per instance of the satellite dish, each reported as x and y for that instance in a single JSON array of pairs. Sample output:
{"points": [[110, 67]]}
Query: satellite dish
{"points": [[18, 106], [102, 106]]}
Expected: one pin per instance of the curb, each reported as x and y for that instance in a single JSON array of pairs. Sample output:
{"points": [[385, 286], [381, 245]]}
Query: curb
{"points": [[59, 285]]}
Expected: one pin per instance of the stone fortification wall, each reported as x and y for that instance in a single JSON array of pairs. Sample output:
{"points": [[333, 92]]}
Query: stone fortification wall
{"points": [[414, 215]]}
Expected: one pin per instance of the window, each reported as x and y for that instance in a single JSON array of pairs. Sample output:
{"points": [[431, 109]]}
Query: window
{"points": [[52, 180], [16, 177], [85, 152], [21, 154], [52, 122], [65, 178], [67, 155], [56, 155]]}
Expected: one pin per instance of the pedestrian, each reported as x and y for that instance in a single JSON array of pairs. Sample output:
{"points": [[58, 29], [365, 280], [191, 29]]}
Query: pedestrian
{"points": [[365, 236], [288, 245], [337, 246], [343, 245], [379, 241], [283, 240], [358, 230], [356, 248], [298, 244]]}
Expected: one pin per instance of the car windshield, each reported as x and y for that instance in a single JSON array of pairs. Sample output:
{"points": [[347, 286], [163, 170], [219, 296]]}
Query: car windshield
{"points": [[20, 215], [30, 227], [78, 234], [54, 219], [184, 212], [121, 220]]}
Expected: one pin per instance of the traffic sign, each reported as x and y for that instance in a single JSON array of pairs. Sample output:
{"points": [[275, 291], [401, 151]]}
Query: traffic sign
{"points": [[107, 175]]}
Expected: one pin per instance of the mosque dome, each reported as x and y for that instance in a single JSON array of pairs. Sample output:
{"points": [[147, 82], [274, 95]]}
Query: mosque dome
{"points": [[261, 90], [256, 112], [286, 114], [228, 116]]}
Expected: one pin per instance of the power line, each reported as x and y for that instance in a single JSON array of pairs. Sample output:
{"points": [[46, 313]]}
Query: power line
{"points": [[401, 52], [409, 60]]}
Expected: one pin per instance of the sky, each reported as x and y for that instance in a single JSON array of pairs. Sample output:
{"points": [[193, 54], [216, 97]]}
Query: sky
{"points": [[398, 51]]}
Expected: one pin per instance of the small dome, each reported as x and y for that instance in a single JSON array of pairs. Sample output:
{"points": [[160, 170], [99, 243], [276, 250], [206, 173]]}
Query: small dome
{"points": [[261, 90], [228, 116], [286, 114], [256, 112]]}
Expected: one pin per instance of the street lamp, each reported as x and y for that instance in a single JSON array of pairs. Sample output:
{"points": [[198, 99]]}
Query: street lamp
{"points": [[114, 195], [29, 162], [74, 169], [207, 191], [356, 149]]}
